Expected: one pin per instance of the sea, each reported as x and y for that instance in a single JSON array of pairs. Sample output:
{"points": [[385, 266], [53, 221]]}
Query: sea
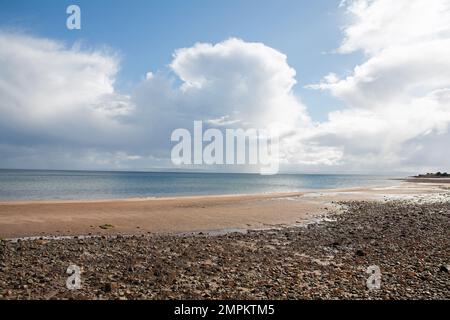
{"points": [[78, 185]]}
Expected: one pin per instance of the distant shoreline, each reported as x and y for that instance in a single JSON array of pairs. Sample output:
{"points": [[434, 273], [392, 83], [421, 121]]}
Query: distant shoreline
{"points": [[427, 180]]}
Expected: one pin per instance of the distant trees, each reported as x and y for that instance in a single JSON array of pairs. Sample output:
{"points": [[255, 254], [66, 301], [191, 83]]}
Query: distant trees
{"points": [[434, 175]]}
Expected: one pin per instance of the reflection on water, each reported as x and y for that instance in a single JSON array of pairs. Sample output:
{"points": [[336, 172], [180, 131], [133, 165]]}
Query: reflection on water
{"points": [[46, 185]]}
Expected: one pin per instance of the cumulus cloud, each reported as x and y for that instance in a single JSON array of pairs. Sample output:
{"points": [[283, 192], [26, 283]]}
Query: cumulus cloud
{"points": [[398, 98], [51, 94], [249, 82], [229, 84], [378, 24], [57, 100]]}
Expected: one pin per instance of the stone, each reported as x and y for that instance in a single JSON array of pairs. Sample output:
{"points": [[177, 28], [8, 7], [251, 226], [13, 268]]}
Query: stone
{"points": [[445, 268], [111, 286]]}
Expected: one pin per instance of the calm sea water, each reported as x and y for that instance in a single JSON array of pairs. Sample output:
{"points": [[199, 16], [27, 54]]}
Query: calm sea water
{"points": [[46, 185]]}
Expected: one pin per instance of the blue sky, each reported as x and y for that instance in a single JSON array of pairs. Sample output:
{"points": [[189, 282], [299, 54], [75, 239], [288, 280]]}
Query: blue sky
{"points": [[146, 33], [377, 71]]}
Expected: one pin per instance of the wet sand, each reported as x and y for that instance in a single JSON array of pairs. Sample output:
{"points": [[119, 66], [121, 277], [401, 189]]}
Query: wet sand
{"points": [[185, 214]]}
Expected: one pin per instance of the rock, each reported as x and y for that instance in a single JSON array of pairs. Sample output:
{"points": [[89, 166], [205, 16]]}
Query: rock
{"points": [[445, 268], [106, 226], [111, 286]]}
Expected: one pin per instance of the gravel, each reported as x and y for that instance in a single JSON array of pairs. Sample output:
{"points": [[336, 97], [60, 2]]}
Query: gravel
{"points": [[408, 241]]}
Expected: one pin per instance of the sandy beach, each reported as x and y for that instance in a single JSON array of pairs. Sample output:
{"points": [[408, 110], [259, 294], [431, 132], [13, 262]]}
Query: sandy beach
{"points": [[402, 229], [185, 214], [310, 245]]}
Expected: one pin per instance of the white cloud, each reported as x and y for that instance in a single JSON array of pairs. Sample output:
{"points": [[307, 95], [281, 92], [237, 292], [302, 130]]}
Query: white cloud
{"points": [[378, 24], [53, 94], [399, 95], [243, 81], [234, 84]]}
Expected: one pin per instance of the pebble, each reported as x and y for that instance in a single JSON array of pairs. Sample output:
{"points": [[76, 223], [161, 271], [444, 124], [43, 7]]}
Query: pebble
{"points": [[407, 240]]}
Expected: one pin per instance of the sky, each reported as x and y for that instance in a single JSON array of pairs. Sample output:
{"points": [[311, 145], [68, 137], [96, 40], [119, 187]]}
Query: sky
{"points": [[352, 86], [146, 33]]}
